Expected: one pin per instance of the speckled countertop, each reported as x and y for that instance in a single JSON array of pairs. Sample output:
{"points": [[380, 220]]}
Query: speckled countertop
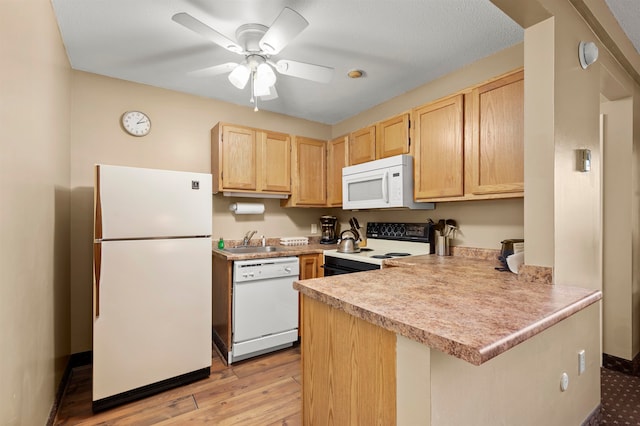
{"points": [[460, 306], [282, 251]]}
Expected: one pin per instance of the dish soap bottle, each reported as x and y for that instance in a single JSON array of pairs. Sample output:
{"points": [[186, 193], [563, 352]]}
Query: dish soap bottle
{"points": [[221, 243]]}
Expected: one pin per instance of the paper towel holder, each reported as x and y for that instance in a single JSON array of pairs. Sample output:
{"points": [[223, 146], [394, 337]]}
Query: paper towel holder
{"points": [[247, 208]]}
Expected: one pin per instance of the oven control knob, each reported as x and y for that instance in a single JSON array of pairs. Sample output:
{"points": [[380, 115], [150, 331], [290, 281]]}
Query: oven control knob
{"points": [[287, 270], [244, 275], [251, 274]]}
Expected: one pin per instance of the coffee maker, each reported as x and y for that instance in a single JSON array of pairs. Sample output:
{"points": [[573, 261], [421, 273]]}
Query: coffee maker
{"points": [[328, 224]]}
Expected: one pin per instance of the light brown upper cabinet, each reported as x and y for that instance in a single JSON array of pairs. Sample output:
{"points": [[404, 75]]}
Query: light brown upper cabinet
{"points": [[309, 173], [439, 149], [233, 158], [470, 146], [250, 160], [497, 141], [362, 145], [337, 158], [393, 136], [275, 155]]}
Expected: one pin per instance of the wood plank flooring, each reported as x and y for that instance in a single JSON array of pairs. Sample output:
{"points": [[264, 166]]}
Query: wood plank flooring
{"points": [[265, 390]]}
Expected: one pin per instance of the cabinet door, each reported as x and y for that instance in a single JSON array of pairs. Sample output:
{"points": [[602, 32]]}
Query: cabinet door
{"points": [[439, 154], [362, 146], [238, 158], [310, 266], [337, 158], [310, 179], [497, 149], [393, 136], [275, 162]]}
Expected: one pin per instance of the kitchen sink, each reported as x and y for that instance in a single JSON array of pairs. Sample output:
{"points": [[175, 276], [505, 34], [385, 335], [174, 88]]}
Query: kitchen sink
{"points": [[251, 249]]}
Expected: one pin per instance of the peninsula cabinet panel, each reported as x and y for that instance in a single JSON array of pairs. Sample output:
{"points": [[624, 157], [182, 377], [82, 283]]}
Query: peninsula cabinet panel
{"points": [[275, 157], [221, 303], [393, 136], [348, 369], [439, 149], [362, 145], [497, 148], [235, 158], [309, 173], [337, 158]]}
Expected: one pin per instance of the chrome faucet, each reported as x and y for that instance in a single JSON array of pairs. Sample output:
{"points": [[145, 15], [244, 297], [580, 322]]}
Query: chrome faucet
{"points": [[247, 237]]}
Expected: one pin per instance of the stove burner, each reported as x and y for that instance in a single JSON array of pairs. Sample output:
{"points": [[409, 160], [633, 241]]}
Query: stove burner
{"points": [[393, 254], [381, 256], [366, 249]]}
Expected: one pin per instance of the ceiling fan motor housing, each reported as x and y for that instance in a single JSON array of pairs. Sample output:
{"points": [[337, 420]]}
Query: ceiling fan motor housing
{"points": [[249, 36]]}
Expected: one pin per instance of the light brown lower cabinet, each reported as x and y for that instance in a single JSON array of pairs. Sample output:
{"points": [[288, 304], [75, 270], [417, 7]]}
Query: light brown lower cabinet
{"points": [[348, 367]]}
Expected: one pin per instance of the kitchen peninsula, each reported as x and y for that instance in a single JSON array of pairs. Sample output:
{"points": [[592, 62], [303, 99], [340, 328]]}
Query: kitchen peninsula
{"points": [[447, 340]]}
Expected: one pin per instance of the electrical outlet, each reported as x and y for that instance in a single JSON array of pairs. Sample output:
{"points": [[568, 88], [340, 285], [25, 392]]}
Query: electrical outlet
{"points": [[581, 362], [314, 228]]}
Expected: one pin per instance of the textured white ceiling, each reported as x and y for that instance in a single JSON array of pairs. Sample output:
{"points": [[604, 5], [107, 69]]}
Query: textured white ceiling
{"points": [[401, 44], [627, 13]]}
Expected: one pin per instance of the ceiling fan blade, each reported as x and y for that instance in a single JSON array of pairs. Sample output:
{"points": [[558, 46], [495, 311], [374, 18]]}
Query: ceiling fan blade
{"points": [[214, 70], [313, 72], [273, 94], [206, 31], [284, 29]]}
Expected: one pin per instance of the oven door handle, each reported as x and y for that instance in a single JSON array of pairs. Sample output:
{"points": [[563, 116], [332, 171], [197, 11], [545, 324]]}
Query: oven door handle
{"points": [[333, 271]]}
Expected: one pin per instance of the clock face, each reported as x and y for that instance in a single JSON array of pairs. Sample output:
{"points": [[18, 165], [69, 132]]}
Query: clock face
{"points": [[136, 123]]}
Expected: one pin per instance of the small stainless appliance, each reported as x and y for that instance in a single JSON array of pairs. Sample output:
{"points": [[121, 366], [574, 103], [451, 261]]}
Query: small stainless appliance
{"points": [[328, 225]]}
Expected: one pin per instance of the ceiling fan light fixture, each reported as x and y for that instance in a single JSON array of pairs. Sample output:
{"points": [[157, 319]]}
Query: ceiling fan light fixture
{"points": [[239, 76], [265, 75]]}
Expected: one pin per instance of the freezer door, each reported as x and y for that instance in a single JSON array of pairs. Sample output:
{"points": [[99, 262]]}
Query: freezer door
{"points": [[154, 318], [145, 203]]}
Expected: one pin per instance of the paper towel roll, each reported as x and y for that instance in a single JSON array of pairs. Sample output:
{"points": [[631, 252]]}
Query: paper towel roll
{"points": [[247, 208]]}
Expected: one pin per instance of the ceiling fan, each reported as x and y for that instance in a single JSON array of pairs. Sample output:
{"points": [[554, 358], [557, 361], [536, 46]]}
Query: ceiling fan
{"points": [[258, 43]]}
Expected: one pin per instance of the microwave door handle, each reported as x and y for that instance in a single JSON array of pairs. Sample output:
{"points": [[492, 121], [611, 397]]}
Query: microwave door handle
{"points": [[385, 186]]}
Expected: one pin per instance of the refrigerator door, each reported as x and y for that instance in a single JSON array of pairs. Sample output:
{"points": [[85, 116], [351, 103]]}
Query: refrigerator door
{"points": [[145, 203], [154, 318]]}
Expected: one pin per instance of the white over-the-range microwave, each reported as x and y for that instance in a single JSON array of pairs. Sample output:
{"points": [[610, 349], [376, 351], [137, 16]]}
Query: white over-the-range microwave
{"points": [[380, 184]]}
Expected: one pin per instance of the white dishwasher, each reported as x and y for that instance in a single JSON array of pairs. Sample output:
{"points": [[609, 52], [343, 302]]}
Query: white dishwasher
{"points": [[265, 306]]}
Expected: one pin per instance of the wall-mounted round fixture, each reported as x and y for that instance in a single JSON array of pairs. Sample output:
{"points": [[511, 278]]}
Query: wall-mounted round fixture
{"points": [[355, 74], [588, 53]]}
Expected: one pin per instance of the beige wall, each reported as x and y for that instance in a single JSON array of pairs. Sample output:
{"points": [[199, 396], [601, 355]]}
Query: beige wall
{"points": [[179, 140], [618, 217], [484, 69], [34, 211], [562, 106]]}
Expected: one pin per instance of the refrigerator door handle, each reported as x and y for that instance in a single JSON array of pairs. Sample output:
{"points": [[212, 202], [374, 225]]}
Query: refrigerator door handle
{"points": [[97, 260]]}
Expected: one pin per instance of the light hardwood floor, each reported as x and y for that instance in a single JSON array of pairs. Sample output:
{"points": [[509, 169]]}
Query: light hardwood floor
{"points": [[261, 391]]}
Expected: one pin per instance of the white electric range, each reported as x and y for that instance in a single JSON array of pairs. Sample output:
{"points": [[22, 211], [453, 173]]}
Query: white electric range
{"points": [[384, 241]]}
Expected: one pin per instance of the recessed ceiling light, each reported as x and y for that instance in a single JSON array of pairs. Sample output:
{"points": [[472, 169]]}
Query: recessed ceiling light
{"points": [[355, 74]]}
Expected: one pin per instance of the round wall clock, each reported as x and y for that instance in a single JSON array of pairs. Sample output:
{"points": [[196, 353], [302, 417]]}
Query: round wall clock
{"points": [[136, 123]]}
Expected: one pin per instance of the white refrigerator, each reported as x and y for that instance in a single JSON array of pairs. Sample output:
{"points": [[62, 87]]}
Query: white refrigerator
{"points": [[152, 282]]}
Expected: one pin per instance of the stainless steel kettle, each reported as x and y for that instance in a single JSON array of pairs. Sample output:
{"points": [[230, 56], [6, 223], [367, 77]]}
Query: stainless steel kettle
{"points": [[348, 244]]}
